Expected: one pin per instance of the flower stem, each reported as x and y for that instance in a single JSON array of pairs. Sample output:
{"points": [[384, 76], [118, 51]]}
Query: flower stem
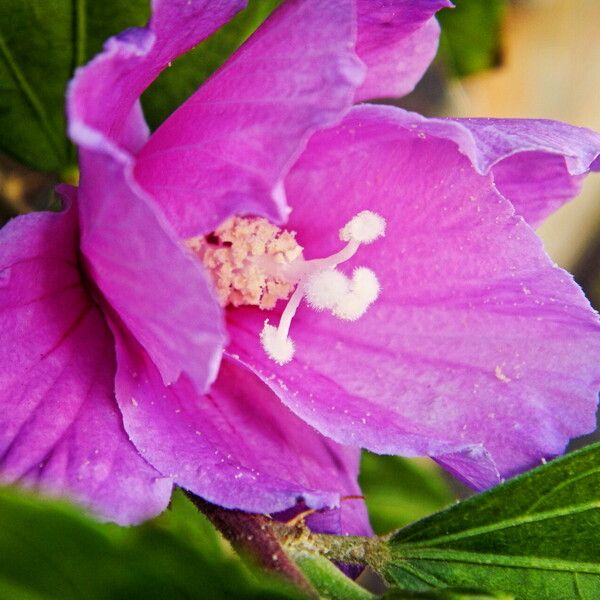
{"points": [[255, 535], [349, 549]]}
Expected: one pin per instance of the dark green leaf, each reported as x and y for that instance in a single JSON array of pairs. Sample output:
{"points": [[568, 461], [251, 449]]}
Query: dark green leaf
{"points": [[535, 536], [41, 42], [49, 551], [471, 35], [400, 490], [447, 594], [189, 71]]}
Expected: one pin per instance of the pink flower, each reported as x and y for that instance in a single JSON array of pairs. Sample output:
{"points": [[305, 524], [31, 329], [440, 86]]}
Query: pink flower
{"points": [[454, 336]]}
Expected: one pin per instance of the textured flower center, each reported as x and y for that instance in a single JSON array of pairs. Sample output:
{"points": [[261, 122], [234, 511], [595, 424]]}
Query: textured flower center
{"points": [[249, 259], [253, 262]]}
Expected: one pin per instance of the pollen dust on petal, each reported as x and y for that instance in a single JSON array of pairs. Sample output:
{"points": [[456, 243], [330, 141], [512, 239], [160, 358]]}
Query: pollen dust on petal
{"points": [[500, 375], [246, 258]]}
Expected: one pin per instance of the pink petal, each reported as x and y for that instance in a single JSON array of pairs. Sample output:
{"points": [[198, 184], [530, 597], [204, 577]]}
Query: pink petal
{"points": [[479, 351], [104, 95], [60, 428], [237, 446], [137, 263], [537, 164], [228, 147], [146, 275], [350, 517], [536, 183], [397, 40]]}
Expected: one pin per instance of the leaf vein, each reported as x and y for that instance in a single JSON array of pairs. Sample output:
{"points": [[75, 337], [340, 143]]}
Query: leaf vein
{"points": [[29, 94]]}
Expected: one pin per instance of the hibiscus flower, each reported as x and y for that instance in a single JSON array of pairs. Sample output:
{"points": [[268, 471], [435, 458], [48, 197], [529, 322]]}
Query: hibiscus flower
{"points": [[411, 309]]}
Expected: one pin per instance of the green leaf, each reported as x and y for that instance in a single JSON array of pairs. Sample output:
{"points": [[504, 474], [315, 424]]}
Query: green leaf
{"points": [[51, 551], [189, 71], [328, 580], [41, 42], [399, 491], [471, 32], [447, 594], [535, 536]]}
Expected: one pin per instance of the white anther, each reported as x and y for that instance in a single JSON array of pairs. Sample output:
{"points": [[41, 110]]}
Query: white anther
{"points": [[365, 284], [324, 289], [365, 227], [278, 348]]}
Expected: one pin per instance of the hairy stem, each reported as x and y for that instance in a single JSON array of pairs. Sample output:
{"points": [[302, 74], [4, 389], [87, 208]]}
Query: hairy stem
{"points": [[356, 550]]}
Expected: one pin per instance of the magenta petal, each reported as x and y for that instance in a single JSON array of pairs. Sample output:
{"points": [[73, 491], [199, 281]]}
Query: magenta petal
{"points": [[147, 276], [237, 446], [228, 147], [537, 164], [138, 264], [479, 351], [350, 517], [60, 428], [473, 465], [397, 40], [536, 183], [104, 95]]}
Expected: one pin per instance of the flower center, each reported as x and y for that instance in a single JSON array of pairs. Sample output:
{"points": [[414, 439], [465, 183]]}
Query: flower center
{"points": [[248, 259], [253, 262]]}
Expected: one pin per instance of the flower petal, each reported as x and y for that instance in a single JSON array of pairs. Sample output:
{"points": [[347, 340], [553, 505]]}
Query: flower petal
{"points": [[156, 286], [237, 446], [478, 348], [60, 428], [104, 95], [158, 289], [228, 147], [350, 517], [397, 40], [537, 164]]}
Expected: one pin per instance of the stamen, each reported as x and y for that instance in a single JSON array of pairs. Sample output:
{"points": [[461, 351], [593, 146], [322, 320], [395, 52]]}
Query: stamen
{"points": [[364, 290], [365, 228], [278, 348], [253, 262], [327, 288], [324, 289], [248, 260], [365, 284]]}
